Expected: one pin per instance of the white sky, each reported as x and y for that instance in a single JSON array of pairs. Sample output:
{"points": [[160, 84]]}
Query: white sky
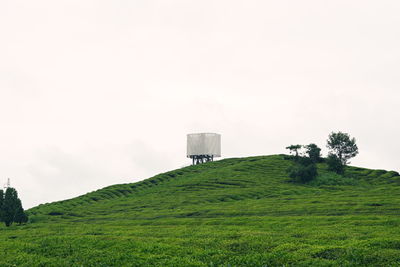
{"points": [[94, 93]]}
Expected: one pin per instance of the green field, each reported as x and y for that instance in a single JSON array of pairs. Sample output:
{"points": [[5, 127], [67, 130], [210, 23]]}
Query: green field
{"points": [[233, 212]]}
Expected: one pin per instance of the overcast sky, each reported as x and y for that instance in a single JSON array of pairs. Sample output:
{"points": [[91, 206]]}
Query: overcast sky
{"points": [[94, 93]]}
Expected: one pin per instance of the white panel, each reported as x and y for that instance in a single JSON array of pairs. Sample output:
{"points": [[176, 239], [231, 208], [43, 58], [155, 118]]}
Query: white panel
{"points": [[204, 144]]}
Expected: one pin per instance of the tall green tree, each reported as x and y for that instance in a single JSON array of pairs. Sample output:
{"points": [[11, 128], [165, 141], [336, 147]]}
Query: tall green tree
{"points": [[1, 204], [10, 205], [342, 146]]}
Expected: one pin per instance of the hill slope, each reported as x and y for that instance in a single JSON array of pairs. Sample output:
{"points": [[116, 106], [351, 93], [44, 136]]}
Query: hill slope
{"points": [[242, 212]]}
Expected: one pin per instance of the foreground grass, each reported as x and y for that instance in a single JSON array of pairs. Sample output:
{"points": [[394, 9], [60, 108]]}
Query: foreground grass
{"points": [[235, 212]]}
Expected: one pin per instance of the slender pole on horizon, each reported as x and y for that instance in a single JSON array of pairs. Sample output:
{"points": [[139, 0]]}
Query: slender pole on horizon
{"points": [[7, 185]]}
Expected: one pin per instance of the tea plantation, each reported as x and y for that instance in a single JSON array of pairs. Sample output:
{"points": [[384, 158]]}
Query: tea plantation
{"points": [[233, 212]]}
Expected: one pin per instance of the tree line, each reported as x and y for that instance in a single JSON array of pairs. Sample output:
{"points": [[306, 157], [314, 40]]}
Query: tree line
{"points": [[11, 208], [341, 149]]}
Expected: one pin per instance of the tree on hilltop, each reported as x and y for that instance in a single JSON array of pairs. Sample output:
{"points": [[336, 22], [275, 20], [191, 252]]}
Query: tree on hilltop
{"points": [[11, 208], [294, 149], [304, 169], [343, 146], [313, 152]]}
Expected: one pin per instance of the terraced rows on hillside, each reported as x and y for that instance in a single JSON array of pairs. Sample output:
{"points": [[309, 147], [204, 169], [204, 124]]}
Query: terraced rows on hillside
{"points": [[241, 212]]}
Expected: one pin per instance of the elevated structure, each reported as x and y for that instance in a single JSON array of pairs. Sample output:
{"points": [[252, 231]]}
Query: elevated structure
{"points": [[203, 147]]}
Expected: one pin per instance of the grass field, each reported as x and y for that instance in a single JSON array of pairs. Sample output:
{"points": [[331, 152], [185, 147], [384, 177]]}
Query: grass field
{"points": [[233, 212]]}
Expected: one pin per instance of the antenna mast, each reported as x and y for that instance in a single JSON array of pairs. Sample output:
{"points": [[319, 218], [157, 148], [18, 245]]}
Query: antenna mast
{"points": [[7, 185]]}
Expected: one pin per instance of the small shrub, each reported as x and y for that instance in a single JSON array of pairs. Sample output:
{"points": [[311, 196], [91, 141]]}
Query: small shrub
{"points": [[334, 164], [313, 152], [303, 173], [304, 161]]}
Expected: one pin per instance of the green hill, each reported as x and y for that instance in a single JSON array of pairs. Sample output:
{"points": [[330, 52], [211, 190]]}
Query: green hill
{"points": [[233, 212]]}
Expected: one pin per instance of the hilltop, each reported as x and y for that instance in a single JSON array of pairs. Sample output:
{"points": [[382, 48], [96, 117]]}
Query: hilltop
{"points": [[239, 211]]}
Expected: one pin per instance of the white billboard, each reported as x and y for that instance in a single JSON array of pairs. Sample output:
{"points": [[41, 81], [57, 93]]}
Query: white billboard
{"points": [[204, 144]]}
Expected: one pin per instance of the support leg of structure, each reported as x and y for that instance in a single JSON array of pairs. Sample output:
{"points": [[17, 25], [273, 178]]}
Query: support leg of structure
{"points": [[199, 159]]}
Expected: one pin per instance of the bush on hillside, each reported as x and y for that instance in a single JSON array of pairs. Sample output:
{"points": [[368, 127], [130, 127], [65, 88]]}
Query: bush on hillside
{"points": [[313, 152], [302, 173], [305, 161], [304, 168], [334, 164]]}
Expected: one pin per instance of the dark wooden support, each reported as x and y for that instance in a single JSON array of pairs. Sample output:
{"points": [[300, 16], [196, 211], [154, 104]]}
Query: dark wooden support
{"points": [[199, 159]]}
